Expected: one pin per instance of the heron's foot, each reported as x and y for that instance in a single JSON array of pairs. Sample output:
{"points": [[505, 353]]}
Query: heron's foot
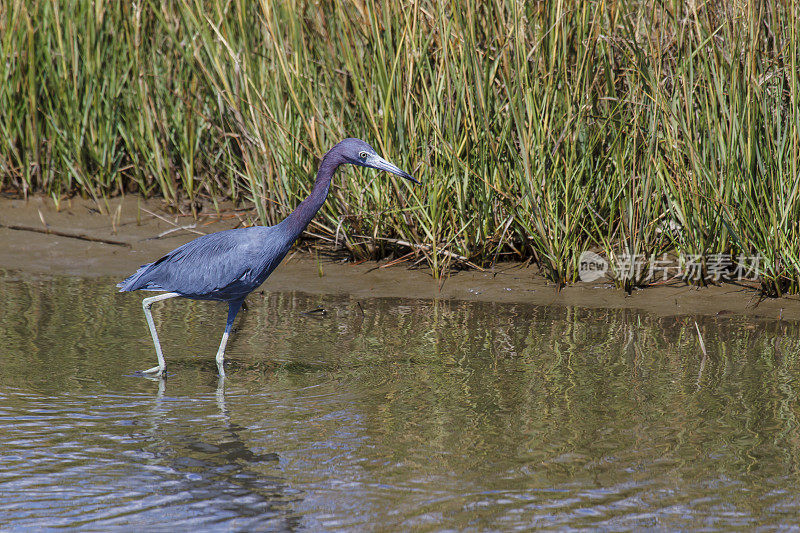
{"points": [[155, 371]]}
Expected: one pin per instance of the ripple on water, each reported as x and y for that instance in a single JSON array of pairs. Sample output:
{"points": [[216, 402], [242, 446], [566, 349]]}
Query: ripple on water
{"points": [[391, 413]]}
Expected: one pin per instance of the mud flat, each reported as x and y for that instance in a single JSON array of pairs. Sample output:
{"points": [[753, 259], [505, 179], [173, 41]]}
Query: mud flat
{"points": [[80, 240]]}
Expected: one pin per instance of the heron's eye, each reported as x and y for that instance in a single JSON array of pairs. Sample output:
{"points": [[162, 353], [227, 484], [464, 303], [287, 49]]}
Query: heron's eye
{"points": [[362, 156]]}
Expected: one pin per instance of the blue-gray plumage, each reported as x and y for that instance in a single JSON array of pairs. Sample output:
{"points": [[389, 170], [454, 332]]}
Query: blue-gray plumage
{"points": [[229, 265]]}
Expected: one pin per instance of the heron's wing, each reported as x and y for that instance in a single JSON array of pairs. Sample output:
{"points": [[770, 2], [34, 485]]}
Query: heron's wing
{"points": [[221, 264]]}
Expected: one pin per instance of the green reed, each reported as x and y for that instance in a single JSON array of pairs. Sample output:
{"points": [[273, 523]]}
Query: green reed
{"points": [[539, 129]]}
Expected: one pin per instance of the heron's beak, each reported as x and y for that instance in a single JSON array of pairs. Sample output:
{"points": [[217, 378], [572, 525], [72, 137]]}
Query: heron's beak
{"points": [[380, 163]]}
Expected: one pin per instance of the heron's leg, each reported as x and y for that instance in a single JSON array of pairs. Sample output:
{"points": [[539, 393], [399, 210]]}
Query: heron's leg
{"points": [[233, 309], [146, 303]]}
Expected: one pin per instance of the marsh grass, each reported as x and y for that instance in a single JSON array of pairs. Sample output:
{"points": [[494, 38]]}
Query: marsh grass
{"points": [[539, 129]]}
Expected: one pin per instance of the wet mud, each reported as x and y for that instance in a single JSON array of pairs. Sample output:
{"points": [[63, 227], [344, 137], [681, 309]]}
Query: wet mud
{"points": [[80, 239]]}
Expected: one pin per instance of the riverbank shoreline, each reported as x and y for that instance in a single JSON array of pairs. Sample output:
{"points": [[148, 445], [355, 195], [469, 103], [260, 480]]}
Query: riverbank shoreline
{"points": [[80, 240]]}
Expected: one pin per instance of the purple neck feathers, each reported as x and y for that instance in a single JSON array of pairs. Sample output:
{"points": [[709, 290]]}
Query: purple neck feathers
{"points": [[298, 219]]}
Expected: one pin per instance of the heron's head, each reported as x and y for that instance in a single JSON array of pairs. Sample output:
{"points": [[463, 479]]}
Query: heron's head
{"points": [[357, 152]]}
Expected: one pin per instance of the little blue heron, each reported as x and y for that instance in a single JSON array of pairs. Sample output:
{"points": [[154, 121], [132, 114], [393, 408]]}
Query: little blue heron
{"points": [[228, 265]]}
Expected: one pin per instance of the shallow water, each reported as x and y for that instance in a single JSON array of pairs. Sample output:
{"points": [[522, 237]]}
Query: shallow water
{"points": [[390, 414]]}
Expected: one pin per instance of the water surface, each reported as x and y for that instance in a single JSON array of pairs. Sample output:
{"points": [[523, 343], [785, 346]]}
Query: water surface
{"points": [[390, 414]]}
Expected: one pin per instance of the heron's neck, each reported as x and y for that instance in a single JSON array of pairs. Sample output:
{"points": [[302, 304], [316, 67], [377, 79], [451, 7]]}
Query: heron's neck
{"points": [[298, 220]]}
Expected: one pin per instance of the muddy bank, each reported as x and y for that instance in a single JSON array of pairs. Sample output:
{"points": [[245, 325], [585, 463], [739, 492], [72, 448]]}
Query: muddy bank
{"points": [[83, 241]]}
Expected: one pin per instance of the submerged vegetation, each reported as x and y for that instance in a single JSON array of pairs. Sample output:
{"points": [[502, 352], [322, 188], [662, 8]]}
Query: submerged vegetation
{"points": [[539, 129]]}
